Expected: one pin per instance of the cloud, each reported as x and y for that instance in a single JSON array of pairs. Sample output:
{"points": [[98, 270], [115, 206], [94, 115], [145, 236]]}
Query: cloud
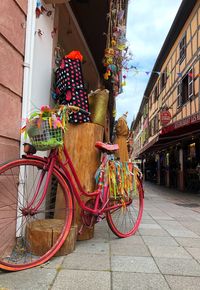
{"points": [[147, 26]]}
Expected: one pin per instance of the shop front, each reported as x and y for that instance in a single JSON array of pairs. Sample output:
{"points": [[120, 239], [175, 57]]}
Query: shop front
{"points": [[192, 161], [174, 156]]}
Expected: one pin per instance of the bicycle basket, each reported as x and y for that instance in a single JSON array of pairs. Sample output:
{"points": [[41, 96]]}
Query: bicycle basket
{"points": [[44, 137]]}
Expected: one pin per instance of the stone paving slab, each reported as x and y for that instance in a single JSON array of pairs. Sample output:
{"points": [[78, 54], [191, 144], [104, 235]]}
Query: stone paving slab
{"points": [[183, 283], [133, 240], [150, 226], [54, 263], [173, 224], [147, 221], [195, 252], [178, 266], [193, 226], [82, 280], [87, 261], [33, 279], [169, 252], [133, 264], [92, 247], [138, 281], [153, 232], [159, 241], [188, 242], [182, 233], [129, 250]]}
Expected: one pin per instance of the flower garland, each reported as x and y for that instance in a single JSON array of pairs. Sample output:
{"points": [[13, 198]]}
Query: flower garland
{"points": [[116, 54]]}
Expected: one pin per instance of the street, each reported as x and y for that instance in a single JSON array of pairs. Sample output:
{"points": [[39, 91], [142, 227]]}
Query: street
{"points": [[163, 254]]}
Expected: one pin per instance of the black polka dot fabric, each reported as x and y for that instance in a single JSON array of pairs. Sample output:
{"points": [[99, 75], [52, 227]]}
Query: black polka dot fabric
{"points": [[70, 90]]}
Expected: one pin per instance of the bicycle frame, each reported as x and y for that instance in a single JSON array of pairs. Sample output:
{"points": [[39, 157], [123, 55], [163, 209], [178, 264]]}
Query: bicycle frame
{"points": [[53, 161]]}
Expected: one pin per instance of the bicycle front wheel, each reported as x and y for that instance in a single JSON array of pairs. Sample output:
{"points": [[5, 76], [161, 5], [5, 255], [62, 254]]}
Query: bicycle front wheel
{"points": [[124, 220], [32, 229]]}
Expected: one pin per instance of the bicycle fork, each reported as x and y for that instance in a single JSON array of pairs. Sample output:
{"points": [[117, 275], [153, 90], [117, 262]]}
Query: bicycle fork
{"points": [[29, 209]]}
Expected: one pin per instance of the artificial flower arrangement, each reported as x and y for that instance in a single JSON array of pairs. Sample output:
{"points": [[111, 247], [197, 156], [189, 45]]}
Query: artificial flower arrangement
{"points": [[45, 127]]}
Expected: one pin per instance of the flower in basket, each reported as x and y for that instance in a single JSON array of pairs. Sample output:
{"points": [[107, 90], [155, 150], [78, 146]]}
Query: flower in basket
{"points": [[45, 127], [45, 109]]}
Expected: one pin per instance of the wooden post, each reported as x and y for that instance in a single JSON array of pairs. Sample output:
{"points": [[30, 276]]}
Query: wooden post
{"points": [[80, 142], [181, 184], [158, 169]]}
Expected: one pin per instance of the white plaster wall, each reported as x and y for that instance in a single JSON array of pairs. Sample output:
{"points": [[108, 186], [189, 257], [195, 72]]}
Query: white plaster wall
{"points": [[42, 61]]}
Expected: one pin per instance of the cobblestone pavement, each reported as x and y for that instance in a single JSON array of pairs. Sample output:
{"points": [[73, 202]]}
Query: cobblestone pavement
{"points": [[163, 254]]}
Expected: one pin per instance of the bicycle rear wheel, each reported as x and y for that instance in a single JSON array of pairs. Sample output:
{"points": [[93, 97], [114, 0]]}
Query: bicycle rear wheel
{"points": [[22, 224], [124, 221]]}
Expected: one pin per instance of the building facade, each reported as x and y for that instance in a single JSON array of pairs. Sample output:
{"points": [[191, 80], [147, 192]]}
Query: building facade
{"points": [[169, 143], [12, 48]]}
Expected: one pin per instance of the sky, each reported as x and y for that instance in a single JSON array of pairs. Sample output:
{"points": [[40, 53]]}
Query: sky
{"points": [[148, 24]]}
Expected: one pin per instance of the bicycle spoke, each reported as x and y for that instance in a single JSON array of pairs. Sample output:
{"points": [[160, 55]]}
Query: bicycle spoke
{"points": [[22, 185], [125, 220]]}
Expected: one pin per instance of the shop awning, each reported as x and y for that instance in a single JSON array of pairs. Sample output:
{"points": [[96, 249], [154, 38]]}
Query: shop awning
{"points": [[174, 133], [182, 125], [149, 145]]}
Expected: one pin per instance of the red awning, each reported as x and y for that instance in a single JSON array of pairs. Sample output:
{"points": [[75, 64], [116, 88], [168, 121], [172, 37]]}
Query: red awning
{"points": [[174, 133], [183, 123]]}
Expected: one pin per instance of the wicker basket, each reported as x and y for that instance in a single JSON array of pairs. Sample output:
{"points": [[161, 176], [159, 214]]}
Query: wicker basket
{"points": [[44, 137]]}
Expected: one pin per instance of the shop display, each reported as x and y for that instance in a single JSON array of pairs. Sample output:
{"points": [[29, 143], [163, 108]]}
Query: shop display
{"points": [[98, 103], [69, 86], [122, 132]]}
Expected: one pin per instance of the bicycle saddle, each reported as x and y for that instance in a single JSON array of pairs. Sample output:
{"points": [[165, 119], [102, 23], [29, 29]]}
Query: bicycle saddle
{"points": [[107, 147]]}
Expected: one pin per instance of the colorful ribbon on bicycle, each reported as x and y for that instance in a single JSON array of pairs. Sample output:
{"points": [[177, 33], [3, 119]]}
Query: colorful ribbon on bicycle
{"points": [[121, 177]]}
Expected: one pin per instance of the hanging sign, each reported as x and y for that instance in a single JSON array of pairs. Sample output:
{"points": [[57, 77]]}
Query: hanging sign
{"points": [[165, 117]]}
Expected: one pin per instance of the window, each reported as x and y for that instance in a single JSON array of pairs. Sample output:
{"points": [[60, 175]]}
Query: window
{"points": [[156, 94], [150, 125], [185, 88], [153, 98], [182, 49], [152, 128], [163, 79], [179, 94], [156, 124], [190, 83], [145, 112], [150, 101]]}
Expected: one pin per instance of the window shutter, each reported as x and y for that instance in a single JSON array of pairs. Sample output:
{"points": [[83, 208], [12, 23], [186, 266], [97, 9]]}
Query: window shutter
{"points": [[190, 83], [150, 129], [179, 92]]}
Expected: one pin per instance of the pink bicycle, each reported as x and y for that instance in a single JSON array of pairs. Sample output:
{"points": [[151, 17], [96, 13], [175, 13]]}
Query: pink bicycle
{"points": [[28, 193]]}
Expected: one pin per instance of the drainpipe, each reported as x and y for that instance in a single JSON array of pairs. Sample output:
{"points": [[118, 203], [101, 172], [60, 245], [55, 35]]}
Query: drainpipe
{"points": [[28, 64], [27, 85]]}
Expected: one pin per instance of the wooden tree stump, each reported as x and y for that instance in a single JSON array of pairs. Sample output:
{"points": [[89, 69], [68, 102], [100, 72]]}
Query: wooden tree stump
{"points": [[80, 142], [42, 234]]}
